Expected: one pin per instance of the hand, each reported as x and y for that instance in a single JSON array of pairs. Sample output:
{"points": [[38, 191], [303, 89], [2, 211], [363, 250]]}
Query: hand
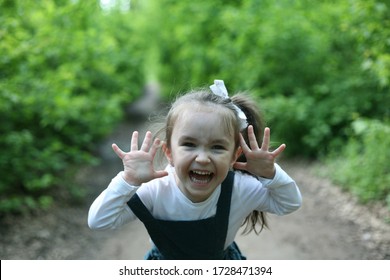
{"points": [[260, 161], [138, 164]]}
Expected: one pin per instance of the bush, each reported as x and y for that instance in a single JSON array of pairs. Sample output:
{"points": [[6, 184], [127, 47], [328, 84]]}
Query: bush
{"points": [[65, 76], [313, 66], [363, 165]]}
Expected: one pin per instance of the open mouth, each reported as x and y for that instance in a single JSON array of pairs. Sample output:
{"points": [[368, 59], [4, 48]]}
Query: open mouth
{"points": [[201, 177]]}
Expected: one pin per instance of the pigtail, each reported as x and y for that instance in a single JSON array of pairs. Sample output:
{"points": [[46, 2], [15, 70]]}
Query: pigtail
{"points": [[254, 118]]}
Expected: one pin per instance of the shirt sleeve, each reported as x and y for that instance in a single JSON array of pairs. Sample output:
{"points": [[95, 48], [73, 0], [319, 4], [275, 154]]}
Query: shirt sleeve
{"points": [[282, 195], [279, 195], [110, 210]]}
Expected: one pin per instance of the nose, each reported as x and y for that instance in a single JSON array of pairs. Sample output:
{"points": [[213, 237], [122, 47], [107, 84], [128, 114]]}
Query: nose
{"points": [[202, 157]]}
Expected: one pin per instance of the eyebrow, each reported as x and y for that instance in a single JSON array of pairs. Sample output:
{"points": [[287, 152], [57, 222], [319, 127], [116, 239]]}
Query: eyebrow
{"points": [[222, 141]]}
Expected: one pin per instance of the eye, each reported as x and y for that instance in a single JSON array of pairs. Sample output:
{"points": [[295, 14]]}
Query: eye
{"points": [[188, 144], [219, 147]]}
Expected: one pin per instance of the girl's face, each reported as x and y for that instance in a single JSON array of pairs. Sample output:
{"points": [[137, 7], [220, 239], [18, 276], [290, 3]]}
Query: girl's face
{"points": [[202, 151]]}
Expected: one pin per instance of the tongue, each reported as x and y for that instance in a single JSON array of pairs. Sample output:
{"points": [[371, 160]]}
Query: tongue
{"points": [[199, 176]]}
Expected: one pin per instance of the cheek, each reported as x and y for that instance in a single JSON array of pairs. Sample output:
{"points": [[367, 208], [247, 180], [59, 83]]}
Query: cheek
{"points": [[180, 158]]}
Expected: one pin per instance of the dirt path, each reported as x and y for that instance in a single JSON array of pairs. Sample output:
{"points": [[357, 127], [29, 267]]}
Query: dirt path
{"points": [[330, 224]]}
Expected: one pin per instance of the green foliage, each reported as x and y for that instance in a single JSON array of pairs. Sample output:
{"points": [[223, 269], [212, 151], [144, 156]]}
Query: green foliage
{"points": [[65, 74], [363, 165], [313, 66], [67, 68]]}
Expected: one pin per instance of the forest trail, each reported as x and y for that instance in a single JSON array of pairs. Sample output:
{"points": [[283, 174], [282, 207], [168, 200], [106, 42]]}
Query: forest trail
{"points": [[329, 225]]}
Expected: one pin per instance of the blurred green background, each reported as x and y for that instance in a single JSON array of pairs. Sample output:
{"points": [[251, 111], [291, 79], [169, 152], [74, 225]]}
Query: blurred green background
{"points": [[320, 71]]}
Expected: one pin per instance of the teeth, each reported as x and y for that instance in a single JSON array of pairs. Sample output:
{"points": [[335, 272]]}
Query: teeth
{"points": [[199, 181], [202, 172]]}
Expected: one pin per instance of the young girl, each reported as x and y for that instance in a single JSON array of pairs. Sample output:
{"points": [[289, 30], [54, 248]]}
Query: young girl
{"points": [[218, 179]]}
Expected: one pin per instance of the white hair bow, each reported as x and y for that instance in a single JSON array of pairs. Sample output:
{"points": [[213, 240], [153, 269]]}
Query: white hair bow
{"points": [[219, 89]]}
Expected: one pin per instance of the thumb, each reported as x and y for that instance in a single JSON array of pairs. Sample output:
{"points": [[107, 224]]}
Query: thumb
{"points": [[118, 151], [240, 165], [160, 174]]}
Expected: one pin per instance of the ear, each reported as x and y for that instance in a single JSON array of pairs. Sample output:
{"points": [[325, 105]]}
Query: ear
{"points": [[168, 153], [237, 153]]}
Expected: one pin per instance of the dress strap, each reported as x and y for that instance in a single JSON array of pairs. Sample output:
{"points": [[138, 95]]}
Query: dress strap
{"points": [[151, 224], [223, 208], [139, 209]]}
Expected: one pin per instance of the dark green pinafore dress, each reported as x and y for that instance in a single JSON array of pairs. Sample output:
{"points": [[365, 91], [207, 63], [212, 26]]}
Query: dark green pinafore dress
{"points": [[185, 240]]}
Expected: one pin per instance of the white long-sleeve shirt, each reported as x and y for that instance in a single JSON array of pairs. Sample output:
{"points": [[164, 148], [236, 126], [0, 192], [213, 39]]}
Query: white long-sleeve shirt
{"points": [[163, 198]]}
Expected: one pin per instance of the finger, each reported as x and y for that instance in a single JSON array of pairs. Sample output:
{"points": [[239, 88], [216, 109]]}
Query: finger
{"points": [[252, 138], [244, 146], [266, 139], [134, 141], [146, 143], [279, 150], [118, 151], [155, 146], [159, 174], [240, 165]]}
